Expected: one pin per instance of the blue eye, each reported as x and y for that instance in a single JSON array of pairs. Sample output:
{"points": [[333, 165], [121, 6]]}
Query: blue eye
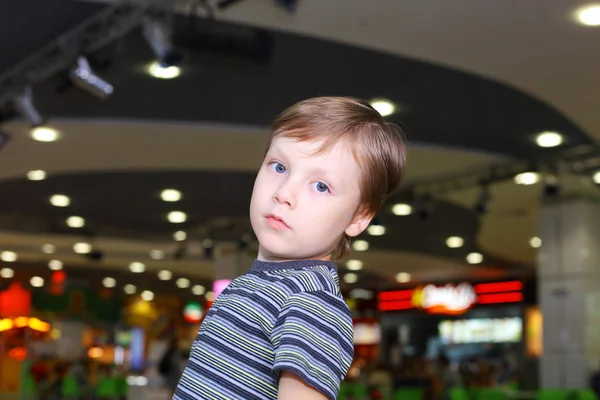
{"points": [[321, 187], [277, 167]]}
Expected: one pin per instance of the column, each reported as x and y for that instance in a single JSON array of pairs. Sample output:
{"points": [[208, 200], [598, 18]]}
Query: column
{"points": [[569, 292]]}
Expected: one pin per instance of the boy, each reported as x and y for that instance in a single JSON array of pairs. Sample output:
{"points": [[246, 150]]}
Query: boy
{"points": [[283, 330]]}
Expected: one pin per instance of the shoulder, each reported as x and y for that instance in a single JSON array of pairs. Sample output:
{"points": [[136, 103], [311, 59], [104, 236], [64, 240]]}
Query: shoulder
{"points": [[311, 279]]}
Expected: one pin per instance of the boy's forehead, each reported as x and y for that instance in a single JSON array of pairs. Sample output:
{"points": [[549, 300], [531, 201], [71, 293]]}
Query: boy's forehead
{"points": [[309, 148]]}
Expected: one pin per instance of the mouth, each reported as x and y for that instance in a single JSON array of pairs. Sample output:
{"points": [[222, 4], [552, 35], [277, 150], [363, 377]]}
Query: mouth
{"points": [[277, 222]]}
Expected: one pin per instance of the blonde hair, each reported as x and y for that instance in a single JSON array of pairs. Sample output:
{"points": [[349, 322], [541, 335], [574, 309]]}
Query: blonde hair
{"points": [[377, 146]]}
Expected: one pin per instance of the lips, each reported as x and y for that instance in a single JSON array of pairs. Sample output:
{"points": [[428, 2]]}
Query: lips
{"points": [[277, 222]]}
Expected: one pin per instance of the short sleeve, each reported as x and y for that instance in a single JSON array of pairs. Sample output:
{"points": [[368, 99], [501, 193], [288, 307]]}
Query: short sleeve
{"points": [[313, 338]]}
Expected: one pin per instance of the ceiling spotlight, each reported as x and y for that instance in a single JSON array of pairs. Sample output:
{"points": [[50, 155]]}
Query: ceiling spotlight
{"points": [[403, 277], [137, 267], [6, 273], [596, 178], [209, 296], [55, 265], [161, 71], [165, 275], [36, 175], [535, 242], [354, 265], [549, 139], [170, 195], [474, 258], [360, 245], [177, 217], [198, 290], [147, 295], [82, 248], [8, 256], [383, 107], [36, 281], [60, 200], [183, 283], [44, 134], [85, 79], [75, 222], [376, 230], [158, 35], [350, 278], [589, 15], [180, 236], [455, 242], [48, 249], [527, 178], [157, 254], [23, 103], [402, 209], [207, 243], [130, 289], [109, 282]]}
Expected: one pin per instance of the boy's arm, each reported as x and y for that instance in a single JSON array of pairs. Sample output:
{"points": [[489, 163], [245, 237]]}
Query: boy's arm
{"points": [[292, 387]]}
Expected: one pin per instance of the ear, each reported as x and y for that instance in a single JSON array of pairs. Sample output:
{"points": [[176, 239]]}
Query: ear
{"points": [[359, 223]]}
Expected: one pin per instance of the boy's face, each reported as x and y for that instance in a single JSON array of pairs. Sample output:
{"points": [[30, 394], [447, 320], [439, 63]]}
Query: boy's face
{"points": [[302, 202]]}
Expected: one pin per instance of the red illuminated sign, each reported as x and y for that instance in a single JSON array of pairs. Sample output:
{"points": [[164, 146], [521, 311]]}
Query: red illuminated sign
{"points": [[448, 299]]}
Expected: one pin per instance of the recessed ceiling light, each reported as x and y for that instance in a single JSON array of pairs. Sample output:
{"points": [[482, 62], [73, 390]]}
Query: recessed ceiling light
{"points": [[403, 277], [44, 134], [130, 289], [147, 295], [170, 195], [36, 281], [8, 256], [180, 236], [137, 267], [207, 243], [376, 230], [198, 290], [183, 283], [474, 258], [55, 265], [82, 248], [60, 200], [549, 139], [6, 273], [157, 254], [589, 15], [176, 217], [350, 278], [165, 275], [454, 242], [36, 175], [360, 245], [354, 265], [527, 178], [48, 249], [109, 282], [209, 296], [75, 222], [596, 177], [535, 242], [160, 71], [402, 209], [383, 107]]}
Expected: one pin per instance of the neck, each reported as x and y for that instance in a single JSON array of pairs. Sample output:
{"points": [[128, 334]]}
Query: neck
{"points": [[265, 256]]}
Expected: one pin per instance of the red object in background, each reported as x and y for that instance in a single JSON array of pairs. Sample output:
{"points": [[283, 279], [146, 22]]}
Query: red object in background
{"points": [[15, 301], [499, 298], [498, 287], [18, 353], [59, 277]]}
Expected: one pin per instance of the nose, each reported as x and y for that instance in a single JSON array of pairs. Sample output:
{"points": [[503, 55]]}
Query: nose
{"points": [[286, 195]]}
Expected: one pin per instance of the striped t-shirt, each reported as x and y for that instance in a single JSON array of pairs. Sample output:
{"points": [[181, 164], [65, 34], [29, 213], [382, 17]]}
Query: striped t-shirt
{"points": [[279, 316]]}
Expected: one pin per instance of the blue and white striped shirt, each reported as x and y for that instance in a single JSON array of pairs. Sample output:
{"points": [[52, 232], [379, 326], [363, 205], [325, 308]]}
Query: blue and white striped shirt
{"points": [[279, 316]]}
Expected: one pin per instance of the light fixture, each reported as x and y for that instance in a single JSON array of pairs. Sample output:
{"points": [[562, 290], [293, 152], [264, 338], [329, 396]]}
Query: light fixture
{"points": [[82, 248], [589, 15], [84, 78], [60, 200], [165, 275], [183, 283], [527, 178], [109, 282], [6, 273], [360, 245], [402, 209], [383, 107], [157, 254], [8, 256], [157, 33], [147, 295], [376, 230], [37, 281], [170, 195], [75, 222], [23, 103], [454, 242], [55, 265], [596, 177], [137, 267], [198, 290], [209, 296], [48, 249], [535, 242], [176, 217], [403, 277], [350, 277], [180, 236], [44, 134], [474, 258], [157, 70], [549, 139], [354, 265], [36, 175], [207, 243], [130, 289]]}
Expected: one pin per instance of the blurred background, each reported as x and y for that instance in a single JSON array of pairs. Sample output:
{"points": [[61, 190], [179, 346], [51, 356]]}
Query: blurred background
{"points": [[131, 132]]}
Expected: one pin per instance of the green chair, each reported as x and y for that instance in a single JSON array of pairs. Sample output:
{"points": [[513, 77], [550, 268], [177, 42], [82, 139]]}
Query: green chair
{"points": [[70, 388], [409, 394], [552, 394], [491, 394], [458, 394], [107, 388], [358, 391], [584, 395]]}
